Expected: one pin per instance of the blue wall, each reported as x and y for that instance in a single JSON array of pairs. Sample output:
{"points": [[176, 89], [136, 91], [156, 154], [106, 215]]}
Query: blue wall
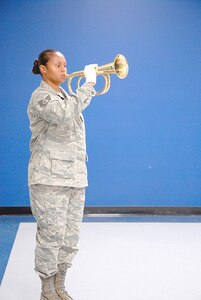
{"points": [[143, 136]]}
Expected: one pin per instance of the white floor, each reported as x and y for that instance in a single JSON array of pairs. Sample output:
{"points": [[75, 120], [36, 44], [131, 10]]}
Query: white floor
{"points": [[117, 261]]}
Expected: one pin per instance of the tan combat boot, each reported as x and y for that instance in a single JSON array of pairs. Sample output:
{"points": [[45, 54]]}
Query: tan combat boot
{"points": [[48, 289], [60, 281]]}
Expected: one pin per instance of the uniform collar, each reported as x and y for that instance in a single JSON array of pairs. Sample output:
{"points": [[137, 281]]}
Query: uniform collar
{"points": [[48, 88]]}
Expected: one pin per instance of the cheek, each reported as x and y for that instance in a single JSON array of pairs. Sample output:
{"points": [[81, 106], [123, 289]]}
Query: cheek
{"points": [[53, 71]]}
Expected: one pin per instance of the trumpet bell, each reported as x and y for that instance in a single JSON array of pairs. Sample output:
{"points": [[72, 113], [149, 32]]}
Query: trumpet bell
{"points": [[119, 67]]}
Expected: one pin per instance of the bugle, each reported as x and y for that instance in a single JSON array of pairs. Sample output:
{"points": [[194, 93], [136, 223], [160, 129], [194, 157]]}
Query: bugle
{"points": [[119, 67]]}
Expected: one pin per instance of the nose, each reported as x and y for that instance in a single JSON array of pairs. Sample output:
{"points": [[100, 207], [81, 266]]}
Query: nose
{"points": [[64, 69]]}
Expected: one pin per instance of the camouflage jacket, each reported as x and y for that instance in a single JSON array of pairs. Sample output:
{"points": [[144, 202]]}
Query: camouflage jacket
{"points": [[58, 147]]}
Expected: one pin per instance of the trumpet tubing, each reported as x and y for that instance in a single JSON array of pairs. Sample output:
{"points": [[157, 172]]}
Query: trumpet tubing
{"points": [[119, 67]]}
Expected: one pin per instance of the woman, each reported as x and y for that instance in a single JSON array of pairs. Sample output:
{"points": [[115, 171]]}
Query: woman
{"points": [[57, 172]]}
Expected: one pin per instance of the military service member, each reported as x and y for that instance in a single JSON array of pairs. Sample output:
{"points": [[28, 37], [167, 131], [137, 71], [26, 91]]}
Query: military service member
{"points": [[57, 173]]}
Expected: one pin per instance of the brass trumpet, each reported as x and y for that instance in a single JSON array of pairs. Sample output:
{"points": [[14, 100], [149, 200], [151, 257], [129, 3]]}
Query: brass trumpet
{"points": [[119, 67]]}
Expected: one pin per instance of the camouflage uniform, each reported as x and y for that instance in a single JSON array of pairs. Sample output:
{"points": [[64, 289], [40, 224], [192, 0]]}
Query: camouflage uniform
{"points": [[57, 173]]}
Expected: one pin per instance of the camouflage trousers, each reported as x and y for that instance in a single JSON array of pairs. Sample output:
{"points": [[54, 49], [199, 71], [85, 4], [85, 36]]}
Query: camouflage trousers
{"points": [[58, 212]]}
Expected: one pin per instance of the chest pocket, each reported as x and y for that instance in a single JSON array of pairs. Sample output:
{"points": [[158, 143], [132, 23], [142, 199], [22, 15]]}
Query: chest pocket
{"points": [[63, 163]]}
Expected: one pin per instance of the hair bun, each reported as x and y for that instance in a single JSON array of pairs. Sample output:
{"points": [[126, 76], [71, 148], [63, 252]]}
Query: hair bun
{"points": [[35, 62], [35, 68]]}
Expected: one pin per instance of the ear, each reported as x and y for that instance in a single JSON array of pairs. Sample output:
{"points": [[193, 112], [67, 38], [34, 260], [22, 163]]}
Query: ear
{"points": [[42, 69]]}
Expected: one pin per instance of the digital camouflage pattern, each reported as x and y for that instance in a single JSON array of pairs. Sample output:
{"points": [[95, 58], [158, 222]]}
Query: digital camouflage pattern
{"points": [[57, 173], [58, 227], [58, 147]]}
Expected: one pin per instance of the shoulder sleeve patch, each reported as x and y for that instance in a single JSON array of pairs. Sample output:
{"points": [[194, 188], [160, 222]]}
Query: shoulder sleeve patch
{"points": [[42, 103], [48, 97]]}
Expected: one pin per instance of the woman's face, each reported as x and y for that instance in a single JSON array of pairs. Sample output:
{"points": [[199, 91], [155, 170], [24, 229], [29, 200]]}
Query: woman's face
{"points": [[55, 70]]}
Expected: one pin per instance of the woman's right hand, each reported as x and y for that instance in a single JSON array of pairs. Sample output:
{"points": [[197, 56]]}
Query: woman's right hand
{"points": [[90, 74]]}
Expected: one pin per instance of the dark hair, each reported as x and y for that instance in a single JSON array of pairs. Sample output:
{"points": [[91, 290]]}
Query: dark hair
{"points": [[43, 58]]}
